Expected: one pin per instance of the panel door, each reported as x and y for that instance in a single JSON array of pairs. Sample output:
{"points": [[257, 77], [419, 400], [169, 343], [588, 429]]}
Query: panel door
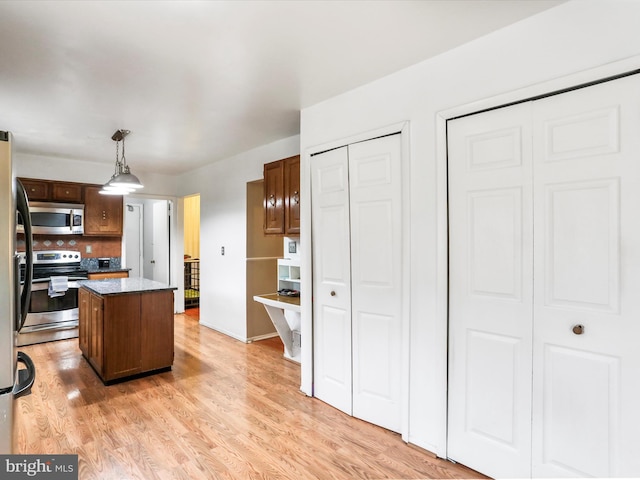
{"points": [[376, 279], [586, 381], [273, 198], [292, 195], [160, 249], [490, 296], [331, 278]]}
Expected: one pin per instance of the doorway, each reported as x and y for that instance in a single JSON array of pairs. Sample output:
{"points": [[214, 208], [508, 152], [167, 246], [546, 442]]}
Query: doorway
{"points": [[192, 256], [133, 238], [147, 241], [542, 259]]}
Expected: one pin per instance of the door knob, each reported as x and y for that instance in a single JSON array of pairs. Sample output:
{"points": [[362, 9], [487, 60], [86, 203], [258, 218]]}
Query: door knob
{"points": [[578, 329], [333, 294]]}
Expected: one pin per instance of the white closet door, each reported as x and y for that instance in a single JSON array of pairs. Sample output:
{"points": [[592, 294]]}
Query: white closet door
{"points": [[357, 288], [490, 281], [586, 404], [376, 264], [331, 278]]}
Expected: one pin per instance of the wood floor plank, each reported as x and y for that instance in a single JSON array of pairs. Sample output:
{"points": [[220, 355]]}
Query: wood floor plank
{"points": [[226, 410]]}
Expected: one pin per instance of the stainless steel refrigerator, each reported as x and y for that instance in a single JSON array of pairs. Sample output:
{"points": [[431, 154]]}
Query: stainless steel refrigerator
{"points": [[14, 294]]}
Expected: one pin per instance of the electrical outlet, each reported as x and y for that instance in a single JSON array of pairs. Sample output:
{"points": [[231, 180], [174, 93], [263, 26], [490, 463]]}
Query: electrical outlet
{"points": [[87, 249]]}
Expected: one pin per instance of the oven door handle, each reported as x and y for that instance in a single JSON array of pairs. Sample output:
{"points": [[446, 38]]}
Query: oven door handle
{"points": [[38, 286]]}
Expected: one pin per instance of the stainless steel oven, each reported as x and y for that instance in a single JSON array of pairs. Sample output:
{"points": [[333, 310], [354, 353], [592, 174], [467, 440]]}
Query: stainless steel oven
{"points": [[56, 218], [53, 310]]}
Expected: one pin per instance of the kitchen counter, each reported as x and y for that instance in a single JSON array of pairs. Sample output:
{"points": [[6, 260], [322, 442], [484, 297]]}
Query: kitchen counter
{"points": [[118, 286], [126, 326]]}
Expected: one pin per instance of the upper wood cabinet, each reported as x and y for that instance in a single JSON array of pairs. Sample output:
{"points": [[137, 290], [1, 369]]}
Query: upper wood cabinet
{"points": [[282, 197], [292, 196], [52, 190], [102, 213], [37, 190], [67, 192], [273, 198]]}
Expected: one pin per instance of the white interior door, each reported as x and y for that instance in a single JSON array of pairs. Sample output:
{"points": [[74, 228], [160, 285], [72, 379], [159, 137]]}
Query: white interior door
{"points": [[586, 386], [133, 228], [331, 279], [557, 248], [376, 279], [490, 306], [357, 288], [160, 241]]}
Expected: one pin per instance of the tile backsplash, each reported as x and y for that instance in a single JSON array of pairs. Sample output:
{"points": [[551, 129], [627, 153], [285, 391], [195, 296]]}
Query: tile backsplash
{"points": [[100, 247]]}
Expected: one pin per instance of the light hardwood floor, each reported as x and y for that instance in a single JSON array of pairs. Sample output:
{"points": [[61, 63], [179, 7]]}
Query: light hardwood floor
{"points": [[226, 410]]}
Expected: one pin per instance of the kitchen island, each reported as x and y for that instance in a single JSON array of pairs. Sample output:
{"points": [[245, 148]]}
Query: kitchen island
{"points": [[126, 326]]}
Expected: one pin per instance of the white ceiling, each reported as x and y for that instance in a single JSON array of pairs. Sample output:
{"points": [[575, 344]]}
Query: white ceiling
{"points": [[199, 81]]}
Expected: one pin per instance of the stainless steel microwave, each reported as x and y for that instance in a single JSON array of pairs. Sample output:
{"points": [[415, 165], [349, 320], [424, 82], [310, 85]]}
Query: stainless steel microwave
{"points": [[56, 218]]}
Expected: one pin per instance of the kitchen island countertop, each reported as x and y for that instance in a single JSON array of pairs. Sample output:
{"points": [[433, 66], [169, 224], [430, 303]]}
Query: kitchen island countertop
{"points": [[118, 286]]}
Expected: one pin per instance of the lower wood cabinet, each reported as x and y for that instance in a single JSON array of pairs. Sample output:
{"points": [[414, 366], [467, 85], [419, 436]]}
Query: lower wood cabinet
{"points": [[126, 334], [100, 275]]}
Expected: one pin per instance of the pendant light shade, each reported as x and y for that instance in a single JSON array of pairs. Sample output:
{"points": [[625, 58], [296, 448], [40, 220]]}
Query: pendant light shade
{"points": [[122, 182]]}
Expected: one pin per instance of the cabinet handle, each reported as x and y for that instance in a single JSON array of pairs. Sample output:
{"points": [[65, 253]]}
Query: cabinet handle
{"points": [[272, 200], [296, 197], [333, 294], [578, 329]]}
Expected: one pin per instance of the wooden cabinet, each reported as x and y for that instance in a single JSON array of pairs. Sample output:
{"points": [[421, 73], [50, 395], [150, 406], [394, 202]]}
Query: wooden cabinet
{"points": [[273, 198], [66, 192], [282, 197], [84, 309], [52, 190], [101, 275], [37, 190], [126, 334], [95, 332], [103, 213], [292, 196]]}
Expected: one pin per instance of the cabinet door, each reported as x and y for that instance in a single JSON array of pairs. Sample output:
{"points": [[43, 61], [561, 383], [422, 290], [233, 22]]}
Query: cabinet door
{"points": [[67, 192], [103, 213], [84, 308], [102, 275], [292, 195], [122, 336], [273, 198], [156, 330], [37, 190], [95, 333]]}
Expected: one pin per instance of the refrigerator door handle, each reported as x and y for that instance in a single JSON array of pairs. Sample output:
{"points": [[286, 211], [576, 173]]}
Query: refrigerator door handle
{"points": [[22, 204], [25, 377]]}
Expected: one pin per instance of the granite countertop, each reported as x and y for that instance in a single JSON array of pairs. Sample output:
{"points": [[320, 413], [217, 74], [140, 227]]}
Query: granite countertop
{"points": [[116, 286]]}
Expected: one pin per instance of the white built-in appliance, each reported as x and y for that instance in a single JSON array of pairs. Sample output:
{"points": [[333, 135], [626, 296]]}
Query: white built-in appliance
{"points": [[14, 381]]}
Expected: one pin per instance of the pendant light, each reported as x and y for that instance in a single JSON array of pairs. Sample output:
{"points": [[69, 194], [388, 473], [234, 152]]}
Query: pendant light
{"points": [[122, 182]]}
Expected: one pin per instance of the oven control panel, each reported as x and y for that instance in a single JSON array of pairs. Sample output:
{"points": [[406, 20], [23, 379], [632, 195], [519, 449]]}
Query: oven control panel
{"points": [[56, 256]]}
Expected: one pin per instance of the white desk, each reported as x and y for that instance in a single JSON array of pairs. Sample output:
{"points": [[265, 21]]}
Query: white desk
{"points": [[276, 305]]}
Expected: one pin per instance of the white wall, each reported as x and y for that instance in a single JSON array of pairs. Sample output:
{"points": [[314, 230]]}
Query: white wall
{"points": [[56, 168], [223, 188], [570, 38]]}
